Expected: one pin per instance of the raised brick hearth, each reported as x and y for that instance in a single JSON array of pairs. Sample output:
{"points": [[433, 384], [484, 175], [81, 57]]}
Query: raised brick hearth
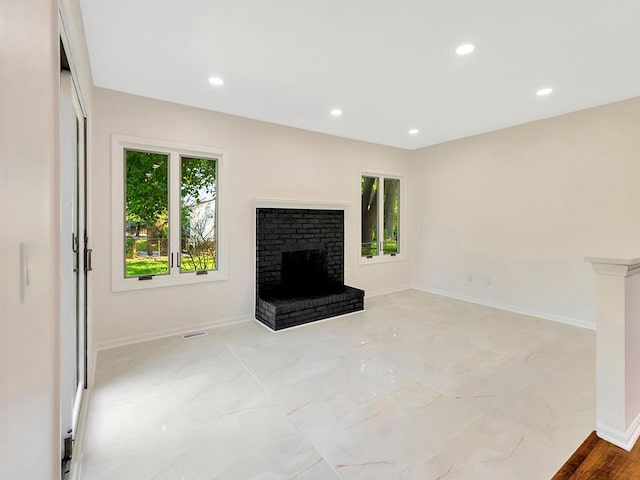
{"points": [[300, 267]]}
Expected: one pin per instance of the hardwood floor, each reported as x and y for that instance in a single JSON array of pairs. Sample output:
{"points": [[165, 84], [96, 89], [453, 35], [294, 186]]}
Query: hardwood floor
{"points": [[597, 459]]}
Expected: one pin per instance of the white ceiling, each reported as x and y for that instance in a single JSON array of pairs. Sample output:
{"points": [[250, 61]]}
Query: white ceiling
{"points": [[389, 65]]}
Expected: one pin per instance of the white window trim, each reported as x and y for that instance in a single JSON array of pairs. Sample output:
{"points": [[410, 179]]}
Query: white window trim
{"points": [[381, 258], [120, 142]]}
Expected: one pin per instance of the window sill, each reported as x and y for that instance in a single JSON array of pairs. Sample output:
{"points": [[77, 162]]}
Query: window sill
{"points": [[382, 259], [159, 281]]}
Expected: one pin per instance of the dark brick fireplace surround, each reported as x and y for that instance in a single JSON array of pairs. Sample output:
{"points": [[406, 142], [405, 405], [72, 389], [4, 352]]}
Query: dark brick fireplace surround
{"points": [[300, 267]]}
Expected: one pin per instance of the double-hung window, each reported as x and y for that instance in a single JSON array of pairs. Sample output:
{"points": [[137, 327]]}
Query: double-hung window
{"points": [[167, 219], [381, 217]]}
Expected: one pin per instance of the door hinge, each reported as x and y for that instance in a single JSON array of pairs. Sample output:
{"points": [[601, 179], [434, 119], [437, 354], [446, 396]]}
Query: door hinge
{"points": [[67, 450], [88, 259]]}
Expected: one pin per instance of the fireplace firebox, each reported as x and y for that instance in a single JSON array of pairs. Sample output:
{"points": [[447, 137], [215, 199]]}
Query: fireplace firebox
{"points": [[300, 267], [304, 272]]}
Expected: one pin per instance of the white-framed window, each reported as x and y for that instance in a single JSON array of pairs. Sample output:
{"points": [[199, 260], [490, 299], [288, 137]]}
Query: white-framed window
{"points": [[381, 216], [168, 214]]}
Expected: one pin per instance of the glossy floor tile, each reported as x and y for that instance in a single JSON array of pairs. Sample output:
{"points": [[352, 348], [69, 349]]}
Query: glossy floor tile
{"points": [[416, 387]]}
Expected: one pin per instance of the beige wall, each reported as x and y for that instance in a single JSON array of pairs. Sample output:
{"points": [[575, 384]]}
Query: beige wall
{"points": [[29, 404], [265, 161], [505, 218], [508, 217], [28, 346]]}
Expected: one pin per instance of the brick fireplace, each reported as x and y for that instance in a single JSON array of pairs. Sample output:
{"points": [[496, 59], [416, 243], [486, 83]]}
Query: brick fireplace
{"points": [[300, 267]]}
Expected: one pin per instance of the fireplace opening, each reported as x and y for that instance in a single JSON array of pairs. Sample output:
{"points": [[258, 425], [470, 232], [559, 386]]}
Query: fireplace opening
{"points": [[304, 272]]}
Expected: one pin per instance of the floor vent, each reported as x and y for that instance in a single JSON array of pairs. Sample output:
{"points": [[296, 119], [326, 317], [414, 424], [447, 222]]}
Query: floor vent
{"points": [[194, 335]]}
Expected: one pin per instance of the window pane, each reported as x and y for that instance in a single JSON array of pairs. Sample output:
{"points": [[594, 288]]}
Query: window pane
{"points": [[369, 192], [146, 213], [198, 190], [391, 206]]}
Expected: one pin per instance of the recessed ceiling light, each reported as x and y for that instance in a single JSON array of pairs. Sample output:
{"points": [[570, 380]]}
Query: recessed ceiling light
{"points": [[217, 81], [336, 112], [465, 49], [414, 131], [544, 91]]}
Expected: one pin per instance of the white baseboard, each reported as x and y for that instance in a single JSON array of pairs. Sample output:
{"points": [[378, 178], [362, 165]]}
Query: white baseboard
{"points": [[510, 308], [119, 342], [170, 332], [377, 293], [633, 432], [619, 438]]}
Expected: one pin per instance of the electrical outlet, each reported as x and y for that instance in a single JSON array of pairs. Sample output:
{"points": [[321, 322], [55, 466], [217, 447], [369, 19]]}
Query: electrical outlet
{"points": [[469, 278], [487, 281]]}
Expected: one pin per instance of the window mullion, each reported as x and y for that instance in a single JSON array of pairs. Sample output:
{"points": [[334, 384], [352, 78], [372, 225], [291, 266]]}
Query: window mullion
{"points": [[174, 211], [380, 216]]}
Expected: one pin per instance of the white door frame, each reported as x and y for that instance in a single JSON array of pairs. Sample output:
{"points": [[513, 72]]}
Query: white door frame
{"points": [[71, 267], [75, 298]]}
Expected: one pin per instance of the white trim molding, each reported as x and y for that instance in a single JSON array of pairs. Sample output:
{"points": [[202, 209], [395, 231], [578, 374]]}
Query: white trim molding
{"points": [[169, 332], [626, 439], [402, 216], [173, 150], [615, 266], [387, 291], [78, 448], [617, 348], [302, 204]]}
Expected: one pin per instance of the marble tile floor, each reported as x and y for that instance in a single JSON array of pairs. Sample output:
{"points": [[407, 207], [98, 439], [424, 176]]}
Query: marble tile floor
{"points": [[417, 386]]}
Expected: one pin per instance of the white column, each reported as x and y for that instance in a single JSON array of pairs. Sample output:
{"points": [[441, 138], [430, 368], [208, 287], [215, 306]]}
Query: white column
{"points": [[617, 349]]}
